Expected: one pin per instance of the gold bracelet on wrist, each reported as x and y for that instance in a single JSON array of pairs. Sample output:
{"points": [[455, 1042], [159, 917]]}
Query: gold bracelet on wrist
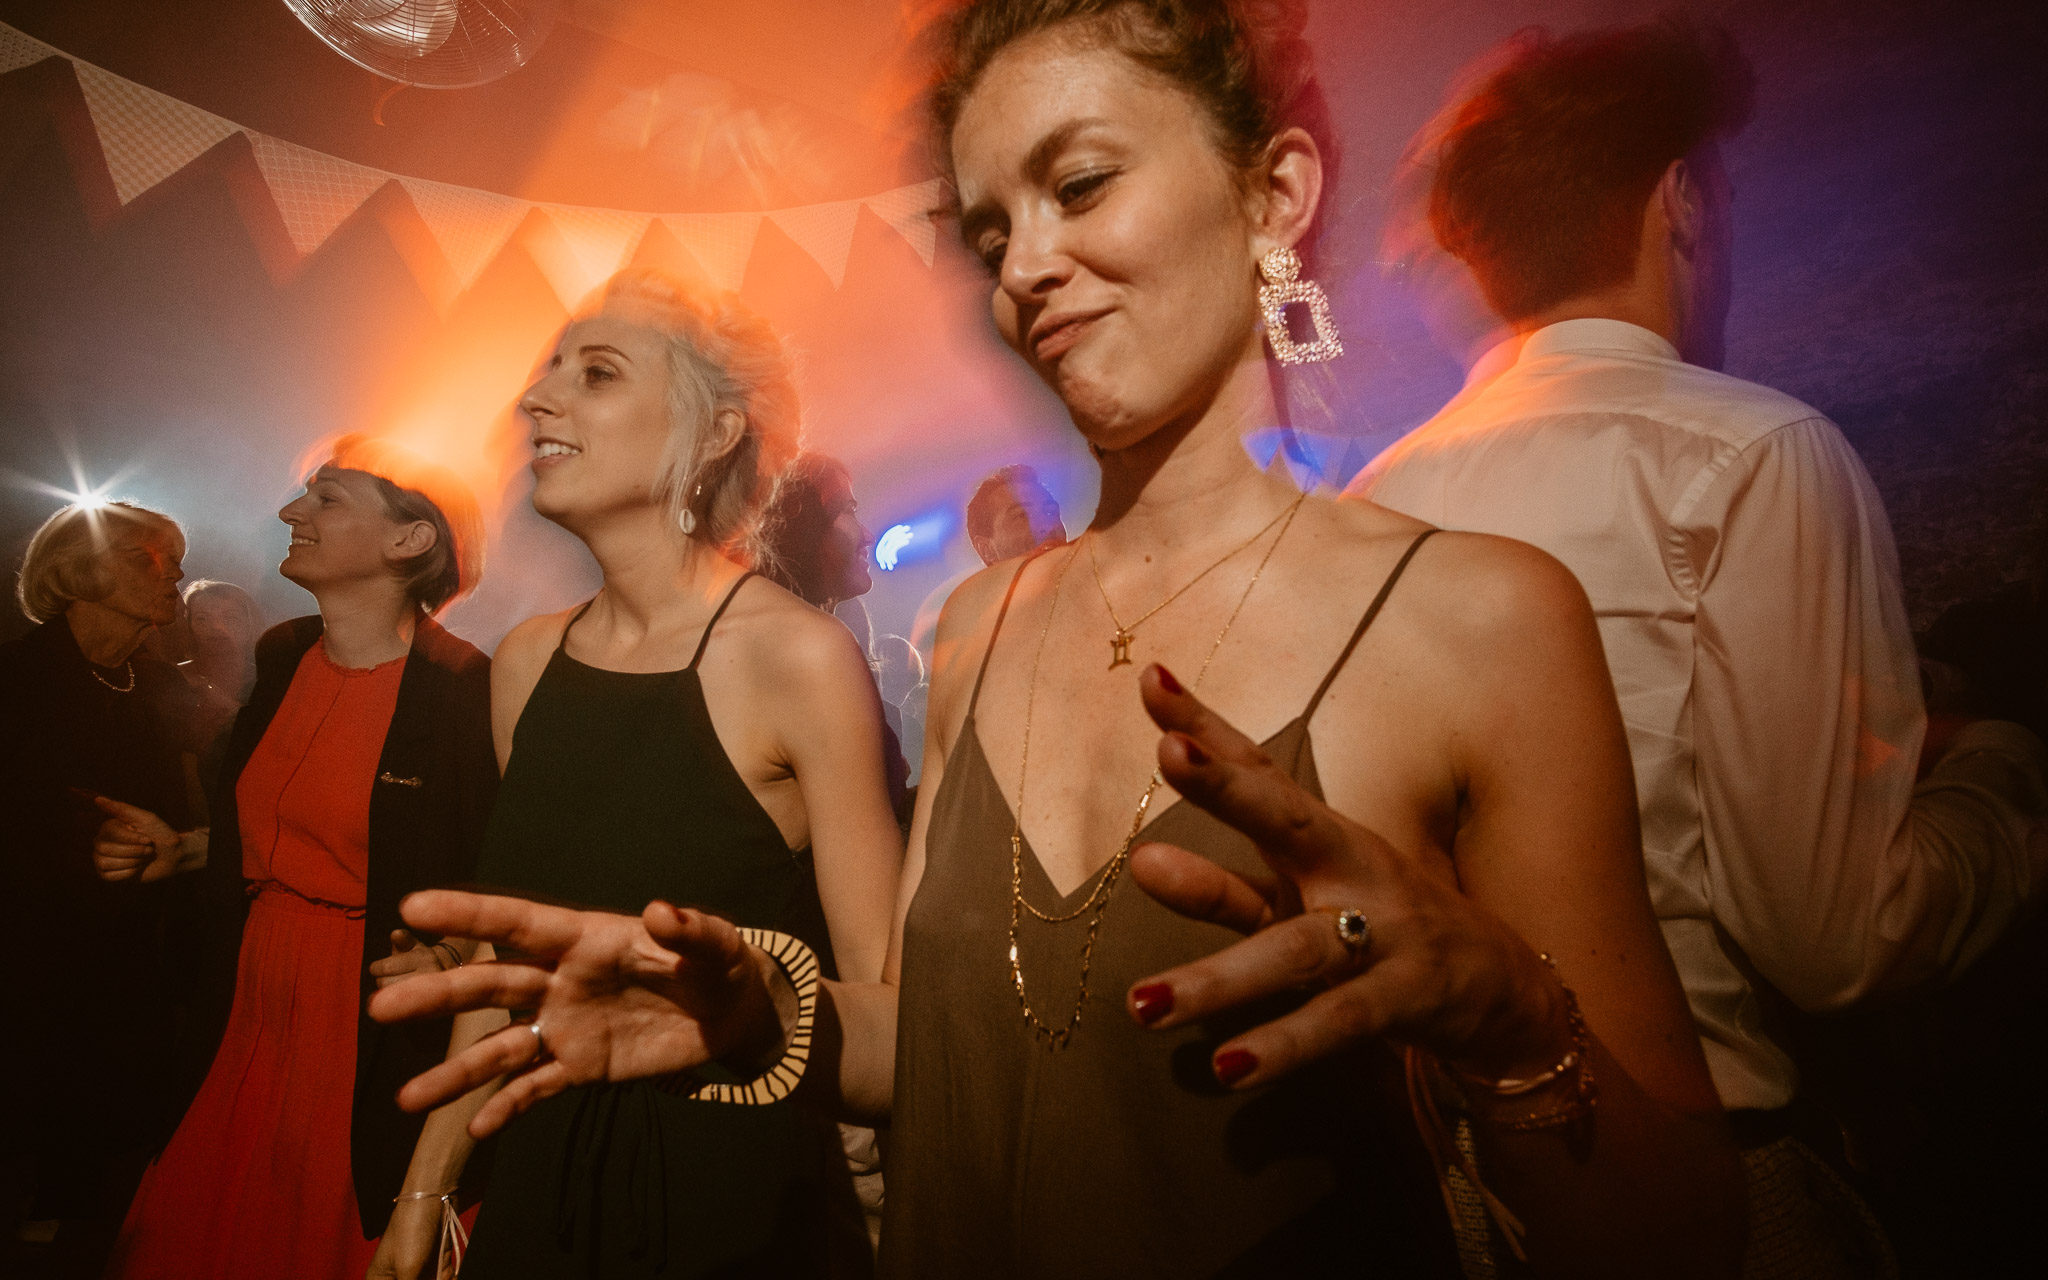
{"points": [[1574, 1071], [779, 1080]]}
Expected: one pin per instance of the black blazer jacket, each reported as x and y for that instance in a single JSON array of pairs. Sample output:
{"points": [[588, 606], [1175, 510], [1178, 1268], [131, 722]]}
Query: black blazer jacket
{"points": [[435, 783]]}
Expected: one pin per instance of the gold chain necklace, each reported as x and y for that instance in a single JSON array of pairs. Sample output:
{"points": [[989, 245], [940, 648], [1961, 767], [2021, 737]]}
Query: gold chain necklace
{"points": [[117, 688], [1098, 898], [1120, 643]]}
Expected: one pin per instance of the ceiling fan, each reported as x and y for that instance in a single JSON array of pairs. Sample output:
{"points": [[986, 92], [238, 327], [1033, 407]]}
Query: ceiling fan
{"points": [[434, 44]]}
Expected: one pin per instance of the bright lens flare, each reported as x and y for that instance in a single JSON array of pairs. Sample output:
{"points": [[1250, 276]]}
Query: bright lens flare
{"points": [[890, 545]]}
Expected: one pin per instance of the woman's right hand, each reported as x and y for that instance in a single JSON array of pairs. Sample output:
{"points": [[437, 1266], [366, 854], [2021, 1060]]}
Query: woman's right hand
{"points": [[410, 1242], [133, 843], [618, 998]]}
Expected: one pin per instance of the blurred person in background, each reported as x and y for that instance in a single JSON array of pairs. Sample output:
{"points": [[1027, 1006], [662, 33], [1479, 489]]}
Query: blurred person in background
{"points": [[1741, 567], [1010, 514], [90, 998], [360, 770]]}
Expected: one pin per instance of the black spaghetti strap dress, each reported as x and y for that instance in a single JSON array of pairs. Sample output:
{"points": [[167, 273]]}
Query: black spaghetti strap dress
{"points": [[618, 792]]}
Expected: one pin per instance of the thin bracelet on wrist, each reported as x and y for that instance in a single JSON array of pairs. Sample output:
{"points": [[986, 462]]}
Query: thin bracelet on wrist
{"points": [[1574, 1071]]}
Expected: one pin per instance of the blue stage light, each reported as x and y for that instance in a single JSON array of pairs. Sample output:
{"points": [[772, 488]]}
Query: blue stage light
{"points": [[892, 542]]}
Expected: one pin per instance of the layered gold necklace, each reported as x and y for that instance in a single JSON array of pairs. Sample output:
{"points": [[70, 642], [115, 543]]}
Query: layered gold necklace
{"points": [[1120, 643], [1097, 900]]}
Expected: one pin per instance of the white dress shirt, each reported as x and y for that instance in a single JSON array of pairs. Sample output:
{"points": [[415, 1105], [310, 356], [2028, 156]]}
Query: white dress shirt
{"points": [[1742, 570]]}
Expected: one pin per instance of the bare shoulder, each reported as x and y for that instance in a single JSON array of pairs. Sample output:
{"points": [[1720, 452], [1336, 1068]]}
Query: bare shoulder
{"points": [[1500, 613], [790, 645], [526, 648]]}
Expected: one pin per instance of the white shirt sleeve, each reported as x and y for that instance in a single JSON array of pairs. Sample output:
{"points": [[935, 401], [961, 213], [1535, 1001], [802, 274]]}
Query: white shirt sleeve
{"points": [[1833, 871]]}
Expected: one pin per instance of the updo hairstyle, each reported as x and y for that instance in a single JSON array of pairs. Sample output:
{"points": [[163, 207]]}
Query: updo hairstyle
{"points": [[721, 358], [416, 489], [1244, 62]]}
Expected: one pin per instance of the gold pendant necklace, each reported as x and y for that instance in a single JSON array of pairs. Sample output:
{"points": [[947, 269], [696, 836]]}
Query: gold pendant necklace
{"points": [[1120, 643], [1105, 883]]}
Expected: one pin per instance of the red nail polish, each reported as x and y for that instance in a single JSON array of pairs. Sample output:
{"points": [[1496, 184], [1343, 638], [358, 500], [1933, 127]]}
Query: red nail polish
{"points": [[1196, 756], [1152, 1001], [1233, 1065], [1166, 680]]}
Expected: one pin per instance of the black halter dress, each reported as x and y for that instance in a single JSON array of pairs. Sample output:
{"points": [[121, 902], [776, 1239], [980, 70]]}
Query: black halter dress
{"points": [[618, 792]]}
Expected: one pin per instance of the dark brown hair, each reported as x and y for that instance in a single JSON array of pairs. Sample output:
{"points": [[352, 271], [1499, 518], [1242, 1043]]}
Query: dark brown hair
{"points": [[1543, 177], [1243, 61], [415, 489], [808, 499]]}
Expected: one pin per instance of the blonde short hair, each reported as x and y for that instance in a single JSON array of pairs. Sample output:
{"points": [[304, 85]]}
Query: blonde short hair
{"points": [[66, 559], [722, 358]]}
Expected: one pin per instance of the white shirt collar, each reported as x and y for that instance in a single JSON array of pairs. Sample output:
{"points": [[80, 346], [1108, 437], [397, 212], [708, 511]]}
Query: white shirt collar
{"points": [[1498, 359], [1579, 337]]}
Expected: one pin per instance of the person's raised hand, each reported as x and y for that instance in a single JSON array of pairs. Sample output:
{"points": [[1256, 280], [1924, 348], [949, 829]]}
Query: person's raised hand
{"points": [[133, 843], [616, 997], [1436, 970], [407, 958]]}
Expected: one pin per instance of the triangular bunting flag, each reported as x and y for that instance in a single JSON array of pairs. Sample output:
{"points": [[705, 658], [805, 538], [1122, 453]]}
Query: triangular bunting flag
{"points": [[720, 242], [469, 225], [912, 212], [145, 136], [600, 239], [314, 192], [18, 49], [825, 231]]}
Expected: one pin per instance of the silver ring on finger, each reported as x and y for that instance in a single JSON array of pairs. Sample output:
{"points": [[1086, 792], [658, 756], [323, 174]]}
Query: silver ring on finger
{"points": [[540, 1044]]}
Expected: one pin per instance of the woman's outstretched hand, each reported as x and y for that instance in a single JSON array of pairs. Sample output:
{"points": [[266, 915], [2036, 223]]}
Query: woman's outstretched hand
{"points": [[617, 997], [1438, 970]]}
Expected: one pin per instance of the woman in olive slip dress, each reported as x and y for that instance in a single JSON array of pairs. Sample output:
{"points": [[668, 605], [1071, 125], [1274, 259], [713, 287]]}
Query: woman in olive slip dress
{"points": [[1434, 853], [694, 734]]}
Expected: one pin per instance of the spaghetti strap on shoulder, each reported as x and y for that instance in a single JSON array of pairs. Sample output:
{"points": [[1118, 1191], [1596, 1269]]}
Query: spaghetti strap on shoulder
{"points": [[974, 698], [1372, 611], [574, 618], [704, 641]]}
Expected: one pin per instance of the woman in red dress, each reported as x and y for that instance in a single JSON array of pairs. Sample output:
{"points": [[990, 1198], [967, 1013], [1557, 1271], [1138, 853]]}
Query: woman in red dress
{"points": [[360, 771]]}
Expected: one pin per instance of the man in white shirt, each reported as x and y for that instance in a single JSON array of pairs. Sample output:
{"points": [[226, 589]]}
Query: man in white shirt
{"points": [[1735, 552]]}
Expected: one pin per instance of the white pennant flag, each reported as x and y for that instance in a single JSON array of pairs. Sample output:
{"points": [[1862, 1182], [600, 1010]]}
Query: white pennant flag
{"points": [[720, 242], [825, 231], [314, 192], [18, 49], [600, 239], [912, 211], [469, 225], [145, 136]]}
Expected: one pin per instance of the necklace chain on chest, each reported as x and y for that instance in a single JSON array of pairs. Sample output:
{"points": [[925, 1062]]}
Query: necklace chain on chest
{"points": [[129, 666], [1120, 643], [1096, 904]]}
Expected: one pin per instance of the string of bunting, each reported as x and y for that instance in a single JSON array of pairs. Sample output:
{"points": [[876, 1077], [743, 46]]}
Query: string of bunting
{"points": [[147, 136]]}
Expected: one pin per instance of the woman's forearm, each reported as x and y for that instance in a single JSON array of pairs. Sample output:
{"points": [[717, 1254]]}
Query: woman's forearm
{"points": [[852, 1071], [444, 1146], [1654, 1192]]}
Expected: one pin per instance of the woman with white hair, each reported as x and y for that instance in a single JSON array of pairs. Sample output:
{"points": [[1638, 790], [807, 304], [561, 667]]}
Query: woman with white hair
{"points": [[85, 714], [694, 732]]}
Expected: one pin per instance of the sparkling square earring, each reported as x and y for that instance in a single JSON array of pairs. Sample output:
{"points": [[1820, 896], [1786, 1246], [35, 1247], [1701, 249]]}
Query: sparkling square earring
{"points": [[1280, 283]]}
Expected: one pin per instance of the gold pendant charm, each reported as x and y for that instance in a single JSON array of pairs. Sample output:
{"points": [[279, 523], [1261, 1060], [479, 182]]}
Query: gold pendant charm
{"points": [[1120, 650]]}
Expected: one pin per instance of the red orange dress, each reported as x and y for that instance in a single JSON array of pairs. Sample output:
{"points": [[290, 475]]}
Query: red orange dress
{"points": [[256, 1182]]}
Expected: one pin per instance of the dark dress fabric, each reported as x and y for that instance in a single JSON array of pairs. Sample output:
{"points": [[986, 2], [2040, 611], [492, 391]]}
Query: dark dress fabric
{"points": [[618, 792], [1120, 1156], [100, 971], [436, 778]]}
